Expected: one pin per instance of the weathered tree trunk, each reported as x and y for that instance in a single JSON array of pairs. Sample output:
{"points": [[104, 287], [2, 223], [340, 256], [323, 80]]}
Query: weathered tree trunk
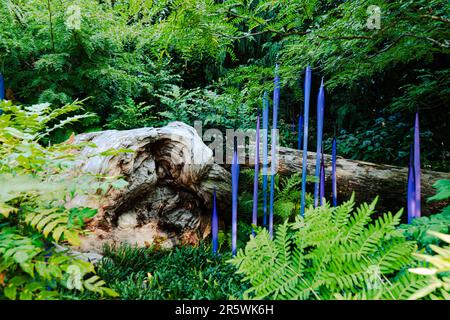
{"points": [[366, 179], [171, 178]]}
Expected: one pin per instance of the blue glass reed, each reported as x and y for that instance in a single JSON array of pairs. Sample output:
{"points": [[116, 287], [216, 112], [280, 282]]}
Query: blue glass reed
{"points": [[300, 132], [2, 87], [276, 101], [320, 114], [265, 162], [255, 178], [410, 193], [417, 191], [307, 93], [234, 200], [215, 226], [322, 182], [333, 173]]}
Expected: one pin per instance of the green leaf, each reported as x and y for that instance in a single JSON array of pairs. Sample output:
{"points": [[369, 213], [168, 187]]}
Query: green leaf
{"points": [[115, 152], [47, 295], [21, 257], [34, 286], [49, 227], [6, 210], [10, 292], [41, 269], [58, 232], [74, 278], [110, 292], [26, 295], [18, 280], [28, 267], [72, 237], [77, 215], [425, 291]]}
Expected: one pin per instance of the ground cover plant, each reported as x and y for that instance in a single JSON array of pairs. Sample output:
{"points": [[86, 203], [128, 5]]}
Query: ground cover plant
{"points": [[182, 273]]}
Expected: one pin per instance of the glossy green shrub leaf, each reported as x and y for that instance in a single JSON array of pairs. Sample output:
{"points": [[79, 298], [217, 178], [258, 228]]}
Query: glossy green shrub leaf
{"points": [[10, 292]]}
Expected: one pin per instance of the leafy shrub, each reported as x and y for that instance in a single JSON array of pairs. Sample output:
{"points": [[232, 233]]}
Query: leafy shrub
{"points": [[33, 212], [108, 58], [130, 115], [438, 273], [214, 110], [378, 141], [419, 227], [287, 191], [443, 191]]}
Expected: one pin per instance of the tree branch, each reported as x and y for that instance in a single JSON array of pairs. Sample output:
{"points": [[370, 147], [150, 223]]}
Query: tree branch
{"points": [[292, 33], [52, 37], [440, 44], [435, 18], [344, 37]]}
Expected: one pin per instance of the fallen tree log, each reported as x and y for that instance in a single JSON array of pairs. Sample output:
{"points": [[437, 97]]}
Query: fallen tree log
{"points": [[366, 179], [172, 176]]}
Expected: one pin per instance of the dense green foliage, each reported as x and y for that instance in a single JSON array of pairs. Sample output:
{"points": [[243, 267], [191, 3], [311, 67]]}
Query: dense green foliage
{"points": [[144, 63], [47, 61], [181, 273], [419, 227], [438, 270], [33, 211]]}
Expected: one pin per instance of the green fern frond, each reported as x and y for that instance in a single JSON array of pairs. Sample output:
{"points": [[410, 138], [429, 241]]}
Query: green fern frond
{"points": [[358, 221], [341, 213], [330, 253]]}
